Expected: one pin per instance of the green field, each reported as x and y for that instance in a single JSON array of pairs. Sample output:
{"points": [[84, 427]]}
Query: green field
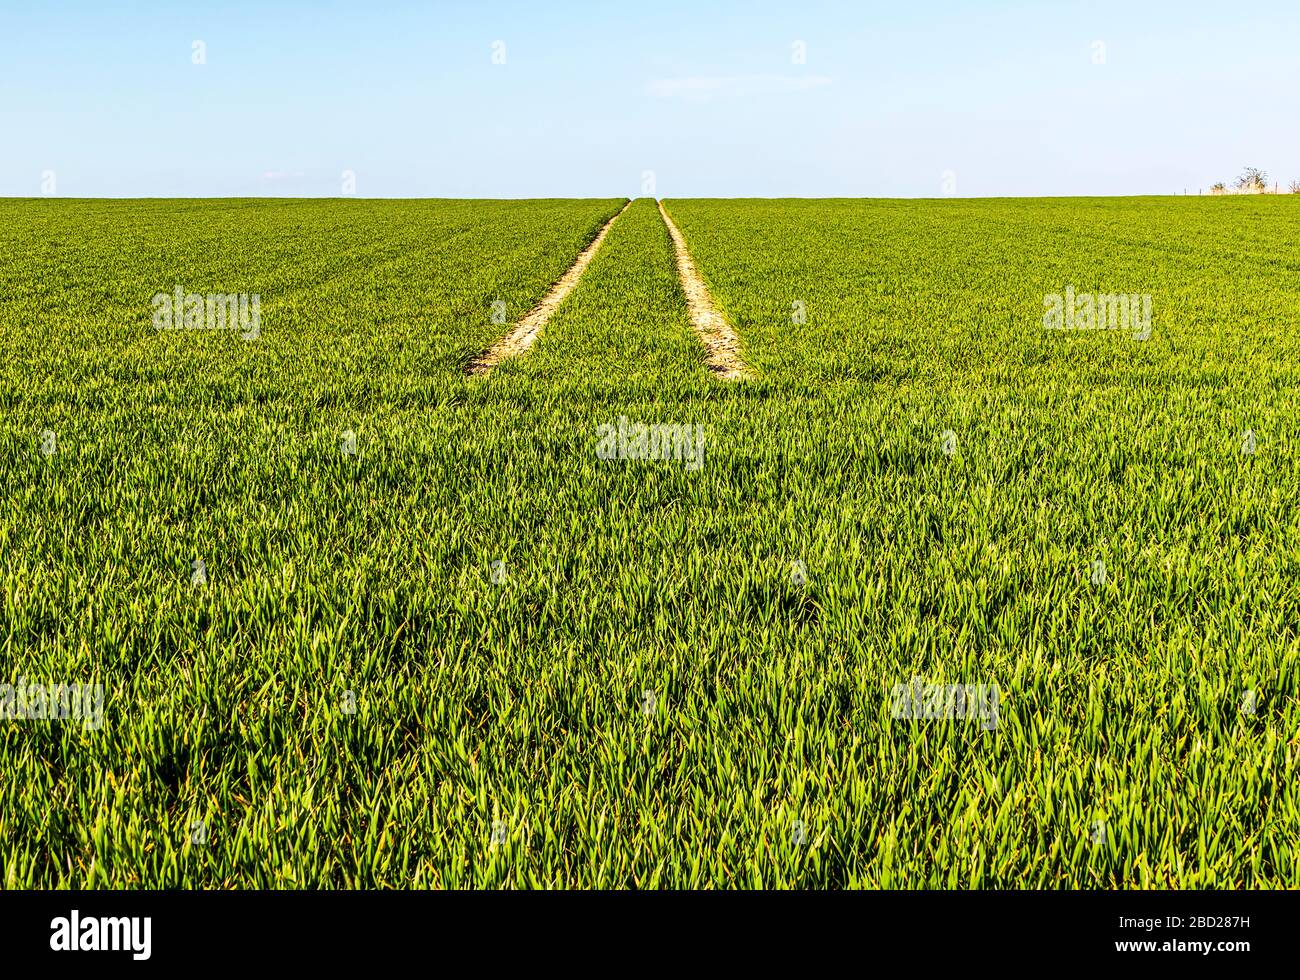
{"points": [[474, 653]]}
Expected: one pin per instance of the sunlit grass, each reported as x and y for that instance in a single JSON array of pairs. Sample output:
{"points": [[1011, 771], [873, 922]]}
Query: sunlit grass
{"points": [[640, 692]]}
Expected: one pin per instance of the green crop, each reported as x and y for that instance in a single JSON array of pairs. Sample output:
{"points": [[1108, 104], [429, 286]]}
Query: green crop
{"points": [[443, 639]]}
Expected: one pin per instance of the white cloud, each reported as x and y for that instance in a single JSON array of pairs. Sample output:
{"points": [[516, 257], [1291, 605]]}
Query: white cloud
{"points": [[705, 88]]}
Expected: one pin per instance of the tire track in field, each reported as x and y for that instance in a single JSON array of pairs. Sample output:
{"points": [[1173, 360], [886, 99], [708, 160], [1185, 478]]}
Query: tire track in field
{"points": [[721, 345], [526, 330]]}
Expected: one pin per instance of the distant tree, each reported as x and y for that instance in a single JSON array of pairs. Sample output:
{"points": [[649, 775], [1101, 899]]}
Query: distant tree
{"points": [[1253, 179], [1218, 188], [1295, 187]]}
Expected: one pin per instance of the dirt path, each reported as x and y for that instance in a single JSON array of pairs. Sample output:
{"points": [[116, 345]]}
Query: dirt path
{"points": [[721, 346], [525, 332]]}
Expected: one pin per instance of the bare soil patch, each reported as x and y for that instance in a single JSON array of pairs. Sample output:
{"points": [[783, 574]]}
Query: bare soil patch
{"points": [[526, 330], [721, 345]]}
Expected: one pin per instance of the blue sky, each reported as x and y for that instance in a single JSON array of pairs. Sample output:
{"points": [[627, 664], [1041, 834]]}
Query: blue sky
{"points": [[898, 100]]}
